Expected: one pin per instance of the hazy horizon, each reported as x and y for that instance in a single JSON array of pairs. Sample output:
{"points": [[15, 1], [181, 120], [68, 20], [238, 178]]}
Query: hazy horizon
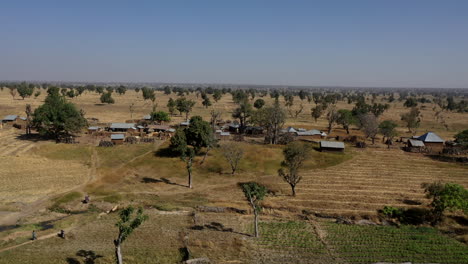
{"points": [[397, 44]]}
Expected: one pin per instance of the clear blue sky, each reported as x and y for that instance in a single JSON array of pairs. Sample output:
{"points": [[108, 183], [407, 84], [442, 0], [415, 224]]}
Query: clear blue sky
{"points": [[407, 43]]}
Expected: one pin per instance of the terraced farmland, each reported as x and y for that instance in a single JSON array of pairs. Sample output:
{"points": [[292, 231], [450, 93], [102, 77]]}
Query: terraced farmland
{"points": [[289, 242], [370, 244], [369, 181]]}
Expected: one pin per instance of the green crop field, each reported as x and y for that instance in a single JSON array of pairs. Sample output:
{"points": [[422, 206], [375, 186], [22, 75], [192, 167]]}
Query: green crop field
{"points": [[368, 244]]}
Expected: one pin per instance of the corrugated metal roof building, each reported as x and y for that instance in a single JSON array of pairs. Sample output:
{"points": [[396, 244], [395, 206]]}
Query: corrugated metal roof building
{"points": [[334, 146]]}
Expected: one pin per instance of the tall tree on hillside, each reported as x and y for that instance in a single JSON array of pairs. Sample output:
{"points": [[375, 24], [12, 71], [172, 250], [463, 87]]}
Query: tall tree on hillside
{"points": [[58, 117], [254, 193], [412, 119], [188, 142], [295, 153], [127, 224]]}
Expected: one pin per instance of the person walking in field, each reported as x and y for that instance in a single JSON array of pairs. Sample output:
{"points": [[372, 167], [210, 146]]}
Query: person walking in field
{"points": [[34, 235]]}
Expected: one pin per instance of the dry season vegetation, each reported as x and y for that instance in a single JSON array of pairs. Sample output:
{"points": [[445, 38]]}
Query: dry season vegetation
{"points": [[43, 184]]}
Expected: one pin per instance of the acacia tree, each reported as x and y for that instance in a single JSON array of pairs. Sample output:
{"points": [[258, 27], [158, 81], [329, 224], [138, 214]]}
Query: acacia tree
{"points": [[243, 113], [295, 154], [272, 118], [412, 119], [171, 106], [254, 193], [233, 153], [448, 196], [106, 98], [184, 106], [332, 118], [58, 117], [187, 142], [387, 129], [345, 118], [127, 224]]}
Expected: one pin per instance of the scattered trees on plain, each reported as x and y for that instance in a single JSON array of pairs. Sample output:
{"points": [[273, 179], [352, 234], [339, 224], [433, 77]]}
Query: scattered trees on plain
{"points": [[412, 119], [295, 153], [254, 193], [58, 117], [233, 153], [448, 196], [106, 98], [127, 223]]}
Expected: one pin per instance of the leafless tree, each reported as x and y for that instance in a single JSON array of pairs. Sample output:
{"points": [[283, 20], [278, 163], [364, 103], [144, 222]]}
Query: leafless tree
{"points": [[369, 125], [233, 153]]}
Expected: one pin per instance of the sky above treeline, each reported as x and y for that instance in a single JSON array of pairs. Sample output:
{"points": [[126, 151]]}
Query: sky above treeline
{"points": [[398, 43]]}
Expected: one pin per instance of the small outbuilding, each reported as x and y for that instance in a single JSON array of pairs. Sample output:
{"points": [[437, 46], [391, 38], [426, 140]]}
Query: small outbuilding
{"points": [[9, 119], [122, 127], [332, 146], [118, 139], [93, 129], [310, 134], [415, 145]]}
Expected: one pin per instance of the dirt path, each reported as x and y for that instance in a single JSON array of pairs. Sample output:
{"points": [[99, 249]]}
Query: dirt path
{"points": [[54, 234]]}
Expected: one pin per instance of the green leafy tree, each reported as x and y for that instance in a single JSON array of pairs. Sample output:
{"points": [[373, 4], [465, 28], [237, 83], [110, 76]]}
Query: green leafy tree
{"points": [[121, 89], [160, 116], [24, 90], [317, 112], [127, 223], [184, 106], [295, 153], [36, 94], [71, 94], [58, 117], [100, 89], [254, 193], [259, 103], [462, 138], [148, 94], [448, 196], [410, 102], [243, 113], [345, 118], [388, 129], [171, 106], [106, 98], [217, 95], [412, 119], [272, 119], [206, 102], [199, 134], [186, 153]]}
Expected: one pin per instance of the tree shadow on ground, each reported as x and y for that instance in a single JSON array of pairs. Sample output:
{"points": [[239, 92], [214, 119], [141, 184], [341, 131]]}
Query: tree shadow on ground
{"points": [[215, 226], [411, 202], [163, 180], [89, 257], [165, 153], [33, 137]]}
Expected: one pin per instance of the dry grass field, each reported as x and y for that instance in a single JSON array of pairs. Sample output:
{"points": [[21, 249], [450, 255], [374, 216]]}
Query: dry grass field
{"points": [[36, 175]]}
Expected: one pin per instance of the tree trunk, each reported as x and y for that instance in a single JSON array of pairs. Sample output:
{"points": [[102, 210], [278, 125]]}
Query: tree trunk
{"points": [[190, 178], [118, 253], [293, 188], [256, 222], [373, 140], [206, 154], [347, 130]]}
